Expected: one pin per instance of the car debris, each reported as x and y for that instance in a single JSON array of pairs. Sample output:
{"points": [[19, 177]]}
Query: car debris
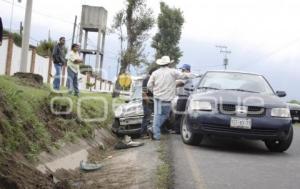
{"points": [[84, 166]]}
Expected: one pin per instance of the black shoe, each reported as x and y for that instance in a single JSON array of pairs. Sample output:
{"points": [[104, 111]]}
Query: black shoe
{"points": [[150, 133]]}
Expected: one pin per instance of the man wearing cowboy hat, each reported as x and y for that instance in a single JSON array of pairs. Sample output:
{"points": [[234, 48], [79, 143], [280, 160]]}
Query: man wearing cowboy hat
{"points": [[162, 83]]}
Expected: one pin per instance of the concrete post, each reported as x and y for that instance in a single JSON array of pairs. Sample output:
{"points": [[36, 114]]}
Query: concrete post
{"points": [[9, 54], [63, 76], [32, 65], [86, 36], [88, 79], [26, 35], [102, 56], [49, 68]]}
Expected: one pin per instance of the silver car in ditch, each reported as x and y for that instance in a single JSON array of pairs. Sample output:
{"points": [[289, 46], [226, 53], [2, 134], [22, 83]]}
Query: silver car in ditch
{"points": [[129, 116]]}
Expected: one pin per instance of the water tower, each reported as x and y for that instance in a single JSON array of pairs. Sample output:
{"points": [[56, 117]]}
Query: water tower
{"points": [[93, 19]]}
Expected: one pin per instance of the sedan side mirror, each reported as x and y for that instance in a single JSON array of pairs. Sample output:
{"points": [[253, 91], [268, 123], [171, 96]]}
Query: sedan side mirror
{"points": [[281, 93]]}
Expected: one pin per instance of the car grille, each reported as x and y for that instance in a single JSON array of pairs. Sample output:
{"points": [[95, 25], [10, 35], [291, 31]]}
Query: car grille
{"points": [[263, 132], [295, 112], [253, 111]]}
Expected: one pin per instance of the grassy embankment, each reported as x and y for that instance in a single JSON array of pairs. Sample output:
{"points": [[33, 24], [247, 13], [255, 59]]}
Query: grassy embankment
{"points": [[164, 169], [27, 125]]}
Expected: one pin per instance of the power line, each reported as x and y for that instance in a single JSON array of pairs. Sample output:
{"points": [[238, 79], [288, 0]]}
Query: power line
{"points": [[224, 51]]}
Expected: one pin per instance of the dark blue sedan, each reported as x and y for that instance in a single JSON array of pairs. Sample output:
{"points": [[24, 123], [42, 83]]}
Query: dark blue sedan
{"points": [[240, 105]]}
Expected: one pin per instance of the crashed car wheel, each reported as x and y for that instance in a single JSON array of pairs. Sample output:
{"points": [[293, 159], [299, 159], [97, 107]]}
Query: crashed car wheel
{"points": [[115, 128], [187, 136], [280, 145]]}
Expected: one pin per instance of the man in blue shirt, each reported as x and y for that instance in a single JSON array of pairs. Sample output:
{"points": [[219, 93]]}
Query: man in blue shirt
{"points": [[184, 90]]}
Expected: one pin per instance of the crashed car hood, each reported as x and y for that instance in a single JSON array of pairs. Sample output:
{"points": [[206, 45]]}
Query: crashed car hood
{"points": [[293, 106], [130, 108], [238, 97]]}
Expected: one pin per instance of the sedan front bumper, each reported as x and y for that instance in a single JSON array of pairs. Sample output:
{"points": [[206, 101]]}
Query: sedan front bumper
{"points": [[131, 120], [262, 128]]}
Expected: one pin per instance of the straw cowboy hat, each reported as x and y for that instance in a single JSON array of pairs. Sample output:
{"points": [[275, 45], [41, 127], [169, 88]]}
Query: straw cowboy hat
{"points": [[164, 61]]}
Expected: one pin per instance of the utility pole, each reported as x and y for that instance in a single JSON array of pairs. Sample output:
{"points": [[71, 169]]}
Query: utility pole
{"points": [[21, 28], [11, 16], [118, 66], [74, 30], [25, 37], [225, 52]]}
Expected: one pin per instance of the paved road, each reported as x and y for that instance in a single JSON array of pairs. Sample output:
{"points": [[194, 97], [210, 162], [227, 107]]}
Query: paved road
{"points": [[235, 164]]}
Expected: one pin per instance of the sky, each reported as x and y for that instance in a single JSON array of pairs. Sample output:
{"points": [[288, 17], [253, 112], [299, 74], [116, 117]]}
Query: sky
{"points": [[262, 35]]}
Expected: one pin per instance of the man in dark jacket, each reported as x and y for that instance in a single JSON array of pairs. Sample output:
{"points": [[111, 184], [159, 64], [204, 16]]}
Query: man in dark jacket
{"points": [[148, 104], [59, 61], [1, 31]]}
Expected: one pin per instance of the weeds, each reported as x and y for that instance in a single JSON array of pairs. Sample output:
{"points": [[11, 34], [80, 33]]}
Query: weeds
{"points": [[27, 124]]}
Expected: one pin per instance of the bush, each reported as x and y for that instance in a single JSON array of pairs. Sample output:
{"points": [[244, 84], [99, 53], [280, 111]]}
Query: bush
{"points": [[44, 47]]}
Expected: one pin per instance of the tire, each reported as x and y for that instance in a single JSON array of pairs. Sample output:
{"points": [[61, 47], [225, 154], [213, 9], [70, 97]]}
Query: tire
{"points": [[187, 136], [280, 145], [115, 128]]}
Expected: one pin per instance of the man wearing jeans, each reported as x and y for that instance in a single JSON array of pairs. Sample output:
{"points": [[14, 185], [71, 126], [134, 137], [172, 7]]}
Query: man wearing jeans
{"points": [[59, 61], [147, 105], [74, 61], [185, 88], [163, 85]]}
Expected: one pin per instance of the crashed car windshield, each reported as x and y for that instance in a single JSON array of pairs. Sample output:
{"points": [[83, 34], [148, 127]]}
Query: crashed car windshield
{"points": [[236, 81]]}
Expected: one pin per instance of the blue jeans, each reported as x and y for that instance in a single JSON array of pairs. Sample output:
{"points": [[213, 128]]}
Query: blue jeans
{"points": [[73, 82], [161, 114], [56, 81], [146, 118]]}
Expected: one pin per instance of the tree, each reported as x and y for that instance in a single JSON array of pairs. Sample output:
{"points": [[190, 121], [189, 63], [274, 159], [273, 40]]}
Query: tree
{"points": [[45, 47], [294, 102], [166, 40], [132, 25]]}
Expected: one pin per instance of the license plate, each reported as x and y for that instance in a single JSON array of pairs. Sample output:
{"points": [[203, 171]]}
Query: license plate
{"points": [[240, 123], [296, 118]]}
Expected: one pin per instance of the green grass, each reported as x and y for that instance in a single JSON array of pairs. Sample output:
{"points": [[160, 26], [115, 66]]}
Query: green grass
{"points": [[28, 126], [297, 124], [163, 172]]}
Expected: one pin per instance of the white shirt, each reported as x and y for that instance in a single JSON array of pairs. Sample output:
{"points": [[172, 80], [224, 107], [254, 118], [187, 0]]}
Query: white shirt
{"points": [[72, 57], [162, 83]]}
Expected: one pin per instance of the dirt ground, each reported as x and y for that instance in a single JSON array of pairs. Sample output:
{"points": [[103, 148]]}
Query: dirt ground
{"points": [[15, 174], [130, 168]]}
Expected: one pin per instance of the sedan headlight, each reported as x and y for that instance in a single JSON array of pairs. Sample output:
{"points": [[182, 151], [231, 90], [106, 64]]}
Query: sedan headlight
{"points": [[280, 112], [137, 109], [119, 112], [200, 105]]}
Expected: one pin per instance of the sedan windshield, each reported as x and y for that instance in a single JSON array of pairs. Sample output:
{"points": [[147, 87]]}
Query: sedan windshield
{"points": [[236, 82]]}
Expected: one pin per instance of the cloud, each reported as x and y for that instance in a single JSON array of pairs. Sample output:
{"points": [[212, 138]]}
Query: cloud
{"points": [[264, 36]]}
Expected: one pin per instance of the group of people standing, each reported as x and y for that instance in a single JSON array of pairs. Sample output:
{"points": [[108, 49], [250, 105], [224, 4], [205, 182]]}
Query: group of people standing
{"points": [[72, 62], [160, 86]]}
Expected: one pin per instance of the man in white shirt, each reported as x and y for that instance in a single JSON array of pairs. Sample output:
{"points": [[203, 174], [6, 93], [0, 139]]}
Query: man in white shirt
{"points": [[162, 83], [73, 69]]}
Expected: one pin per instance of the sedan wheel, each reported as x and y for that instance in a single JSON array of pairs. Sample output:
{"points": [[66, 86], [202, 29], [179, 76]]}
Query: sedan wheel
{"points": [[280, 145], [187, 136]]}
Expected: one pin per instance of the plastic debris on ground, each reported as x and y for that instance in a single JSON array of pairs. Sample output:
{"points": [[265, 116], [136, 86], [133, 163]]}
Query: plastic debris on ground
{"points": [[84, 166]]}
